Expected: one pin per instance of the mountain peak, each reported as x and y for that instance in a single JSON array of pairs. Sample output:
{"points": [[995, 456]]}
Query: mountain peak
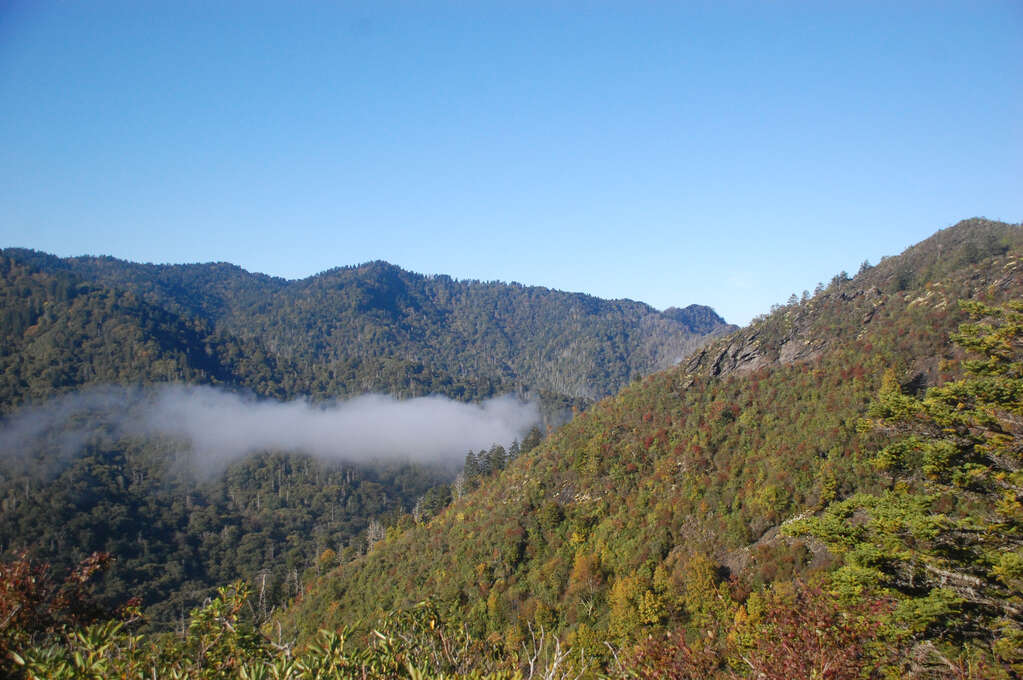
{"points": [[697, 318]]}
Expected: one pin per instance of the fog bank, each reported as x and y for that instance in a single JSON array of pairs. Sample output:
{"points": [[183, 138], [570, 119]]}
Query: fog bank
{"points": [[219, 426]]}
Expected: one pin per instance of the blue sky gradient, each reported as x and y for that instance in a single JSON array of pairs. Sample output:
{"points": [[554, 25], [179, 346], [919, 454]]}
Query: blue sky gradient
{"points": [[722, 153]]}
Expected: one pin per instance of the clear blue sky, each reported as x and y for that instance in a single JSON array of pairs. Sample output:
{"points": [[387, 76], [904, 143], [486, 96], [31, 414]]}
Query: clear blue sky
{"points": [[723, 153]]}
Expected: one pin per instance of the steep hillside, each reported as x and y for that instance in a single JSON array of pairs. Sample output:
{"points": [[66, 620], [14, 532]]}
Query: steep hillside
{"points": [[659, 505]]}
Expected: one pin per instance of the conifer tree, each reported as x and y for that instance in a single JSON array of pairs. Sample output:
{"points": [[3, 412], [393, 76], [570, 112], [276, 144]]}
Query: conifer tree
{"points": [[947, 536]]}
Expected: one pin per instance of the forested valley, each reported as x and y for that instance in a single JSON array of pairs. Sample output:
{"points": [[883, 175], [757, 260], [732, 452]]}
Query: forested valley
{"points": [[834, 491], [75, 329]]}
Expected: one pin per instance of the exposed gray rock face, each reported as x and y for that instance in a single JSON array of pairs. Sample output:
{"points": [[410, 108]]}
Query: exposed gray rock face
{"points": [[786, 337], [804, 331]]}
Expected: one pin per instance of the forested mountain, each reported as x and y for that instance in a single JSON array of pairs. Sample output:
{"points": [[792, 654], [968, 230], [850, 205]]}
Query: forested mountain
{"points": [[70, 324], [60, 334], [672, 505], [376, 327]]}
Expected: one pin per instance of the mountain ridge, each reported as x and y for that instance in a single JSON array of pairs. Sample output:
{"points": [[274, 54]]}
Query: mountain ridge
{"points": [[378, 309]]}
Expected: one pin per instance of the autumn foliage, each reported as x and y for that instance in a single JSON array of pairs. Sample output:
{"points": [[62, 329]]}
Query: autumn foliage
{"points": [[34, 604]]}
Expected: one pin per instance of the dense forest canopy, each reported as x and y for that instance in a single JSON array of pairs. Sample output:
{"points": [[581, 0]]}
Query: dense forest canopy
{"points": [[372, 327], [75, 327]]}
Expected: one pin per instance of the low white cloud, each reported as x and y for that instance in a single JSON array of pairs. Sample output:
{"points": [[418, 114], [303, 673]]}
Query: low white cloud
{"points": [[219, 426]]}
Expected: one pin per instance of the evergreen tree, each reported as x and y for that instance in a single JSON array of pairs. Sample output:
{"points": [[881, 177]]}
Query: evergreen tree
{"points": [[531, 440], [948, 534], [496, 458], [472, 468]]}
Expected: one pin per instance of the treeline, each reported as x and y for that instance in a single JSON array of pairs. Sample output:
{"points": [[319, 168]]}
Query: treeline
{"points": [[487, 462]]}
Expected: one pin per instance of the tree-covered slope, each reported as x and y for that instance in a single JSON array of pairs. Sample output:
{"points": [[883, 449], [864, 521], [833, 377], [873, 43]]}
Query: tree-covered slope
{"points": [[341, 325], [86, 323], [268, 519], [59, 334], [565, 343], [659, 506]]}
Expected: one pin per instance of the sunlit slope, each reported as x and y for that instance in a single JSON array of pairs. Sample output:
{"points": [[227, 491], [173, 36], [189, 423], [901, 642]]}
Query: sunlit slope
{"points": [[628, 516]]}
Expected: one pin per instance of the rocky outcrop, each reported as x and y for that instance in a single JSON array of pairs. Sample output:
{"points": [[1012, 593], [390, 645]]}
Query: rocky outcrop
{"points": [[788, 336]]}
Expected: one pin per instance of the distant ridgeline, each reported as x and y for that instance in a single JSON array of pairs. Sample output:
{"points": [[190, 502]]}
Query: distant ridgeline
{"points": [[370, 328], [69, 324], [673, 505]]}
